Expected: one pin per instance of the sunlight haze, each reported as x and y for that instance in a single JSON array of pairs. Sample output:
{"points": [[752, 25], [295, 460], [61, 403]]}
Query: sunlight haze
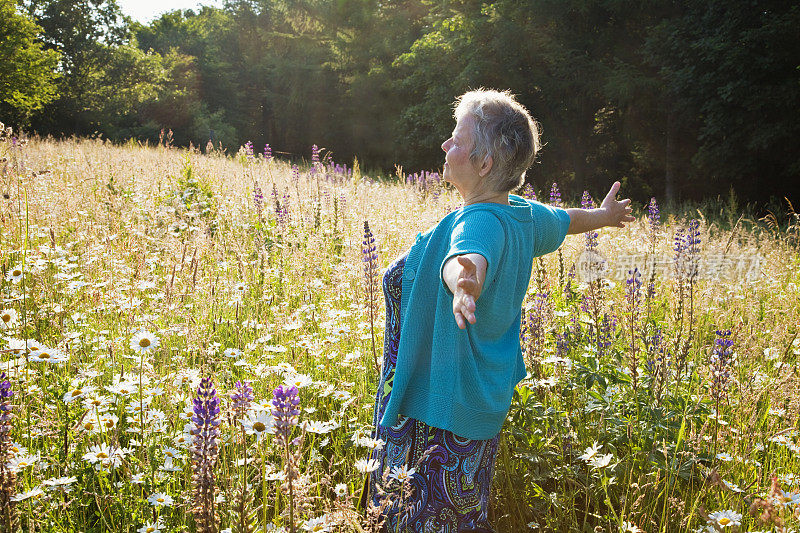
{"points": [[147, 10]]}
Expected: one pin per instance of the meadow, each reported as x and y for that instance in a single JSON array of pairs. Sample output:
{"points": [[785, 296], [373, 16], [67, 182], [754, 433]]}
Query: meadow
{"points": [[159, 305]]}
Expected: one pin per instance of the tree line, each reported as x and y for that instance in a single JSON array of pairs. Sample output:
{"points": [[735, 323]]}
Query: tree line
{"points": [[681, 99]]}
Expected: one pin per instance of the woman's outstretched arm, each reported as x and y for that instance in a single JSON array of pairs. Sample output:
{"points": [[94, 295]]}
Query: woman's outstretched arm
{"points": [[610, 213]]}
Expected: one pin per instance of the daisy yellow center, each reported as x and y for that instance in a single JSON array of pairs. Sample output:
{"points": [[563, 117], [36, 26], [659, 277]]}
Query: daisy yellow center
{"points": [[44, 355], [16, 272], [259, 426], [150, 529], [88, 425], [317, 528], [6, 317], [109, 423], [160, 499], [724, 521], [77, 392], [102, 455], [144, 342], [33, 348]]}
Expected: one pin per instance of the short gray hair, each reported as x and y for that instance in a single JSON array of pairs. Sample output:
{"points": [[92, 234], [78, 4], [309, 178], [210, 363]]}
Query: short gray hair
{"points": [[503, 130]]}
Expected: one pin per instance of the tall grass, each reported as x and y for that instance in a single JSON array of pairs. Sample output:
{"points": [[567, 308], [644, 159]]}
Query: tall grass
{"points": [[622, 425]]}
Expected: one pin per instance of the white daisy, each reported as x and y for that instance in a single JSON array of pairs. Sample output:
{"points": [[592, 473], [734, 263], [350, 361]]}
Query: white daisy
{"points": [[401, 473], [8, 318], [316, 524], [298, 380], [15, 274], [232, 353], [340, 490], [34, 493], [366, 466], [152, 527], [144, 342], [159, 499], [725, 518], [259, 423]]}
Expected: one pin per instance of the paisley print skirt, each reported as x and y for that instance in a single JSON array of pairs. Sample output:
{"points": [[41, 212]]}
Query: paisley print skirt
{"points": [[452, 475]]}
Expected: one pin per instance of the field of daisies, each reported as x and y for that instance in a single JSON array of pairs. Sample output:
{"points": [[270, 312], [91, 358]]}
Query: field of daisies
{"points": [[191, 342]]}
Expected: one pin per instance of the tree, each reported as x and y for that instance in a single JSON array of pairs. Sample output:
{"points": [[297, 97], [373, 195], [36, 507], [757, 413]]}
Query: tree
{"points": [[27, 72]]}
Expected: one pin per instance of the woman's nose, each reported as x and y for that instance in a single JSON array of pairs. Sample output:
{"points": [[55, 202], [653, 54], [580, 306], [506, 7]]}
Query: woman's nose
{"points": [[444, 145]]}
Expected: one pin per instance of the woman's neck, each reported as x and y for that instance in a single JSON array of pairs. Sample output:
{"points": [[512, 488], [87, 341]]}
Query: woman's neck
{"points": [[486, 197]]}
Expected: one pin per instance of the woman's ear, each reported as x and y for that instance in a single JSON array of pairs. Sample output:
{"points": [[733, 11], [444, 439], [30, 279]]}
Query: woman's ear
{"points": [[486, 166]]}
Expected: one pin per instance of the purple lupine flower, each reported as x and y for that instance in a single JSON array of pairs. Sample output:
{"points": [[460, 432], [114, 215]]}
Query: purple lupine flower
{"points": [[655, 351], [369, 256], [258, 199], [314, 155], [633, 285], [606, 333], [528, 192], [241, 397], [591, 236], [722, 359], [653, 215], [555, 195], [693, 238], [205, 418], [248, 150], [536, 325], [267, 152], [295, 175], [285, 400], [8, 478]]}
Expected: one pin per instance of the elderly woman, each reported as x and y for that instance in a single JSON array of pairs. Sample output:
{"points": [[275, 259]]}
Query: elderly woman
{"points": [[456, 296]]}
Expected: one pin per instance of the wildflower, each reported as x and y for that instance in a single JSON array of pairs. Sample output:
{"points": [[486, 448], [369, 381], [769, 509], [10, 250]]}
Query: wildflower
{"points": [[726, 518], [629, 527], [152, 527], [45, 354], [259, 424], [258, 198], [204, 455], [555, 195], [59, 482], [33, 493], [267, 152], [591, 236], [15, 274], [144, 342], [299, 380], [316, 524], [601, 461], [725, 457], [366, 466], [8, 318], [722, 360], [401, 473], [528, 192], [159, 499], [653, 216], [241, 397], [285, 401], [232, 353], [340, 490]]}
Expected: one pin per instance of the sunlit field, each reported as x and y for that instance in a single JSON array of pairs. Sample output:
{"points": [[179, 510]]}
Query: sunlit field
{"points": [[658, 399]]}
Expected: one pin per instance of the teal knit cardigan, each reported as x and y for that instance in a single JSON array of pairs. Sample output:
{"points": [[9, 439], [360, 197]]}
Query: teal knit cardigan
{"points": [[463, 380]]}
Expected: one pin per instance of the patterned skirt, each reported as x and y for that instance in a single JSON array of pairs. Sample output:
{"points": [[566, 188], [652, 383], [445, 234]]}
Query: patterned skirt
{"points": [[452, 475]]}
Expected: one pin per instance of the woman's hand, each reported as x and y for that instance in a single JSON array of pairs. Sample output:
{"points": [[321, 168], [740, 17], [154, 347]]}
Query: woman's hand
{"points": [[617, 212], [611, 213], [468, 285]]}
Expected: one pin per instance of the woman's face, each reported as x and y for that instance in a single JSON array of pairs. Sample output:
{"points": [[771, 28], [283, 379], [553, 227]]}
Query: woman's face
{"points": [[458, 169]]}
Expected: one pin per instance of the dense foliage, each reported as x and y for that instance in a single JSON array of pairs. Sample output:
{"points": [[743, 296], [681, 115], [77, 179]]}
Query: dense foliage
{"points": [[681, 98]]}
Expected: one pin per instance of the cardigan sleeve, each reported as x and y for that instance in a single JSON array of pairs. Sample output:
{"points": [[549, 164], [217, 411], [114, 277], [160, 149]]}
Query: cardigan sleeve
{"points": [[477, 232], [550, 227]]}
